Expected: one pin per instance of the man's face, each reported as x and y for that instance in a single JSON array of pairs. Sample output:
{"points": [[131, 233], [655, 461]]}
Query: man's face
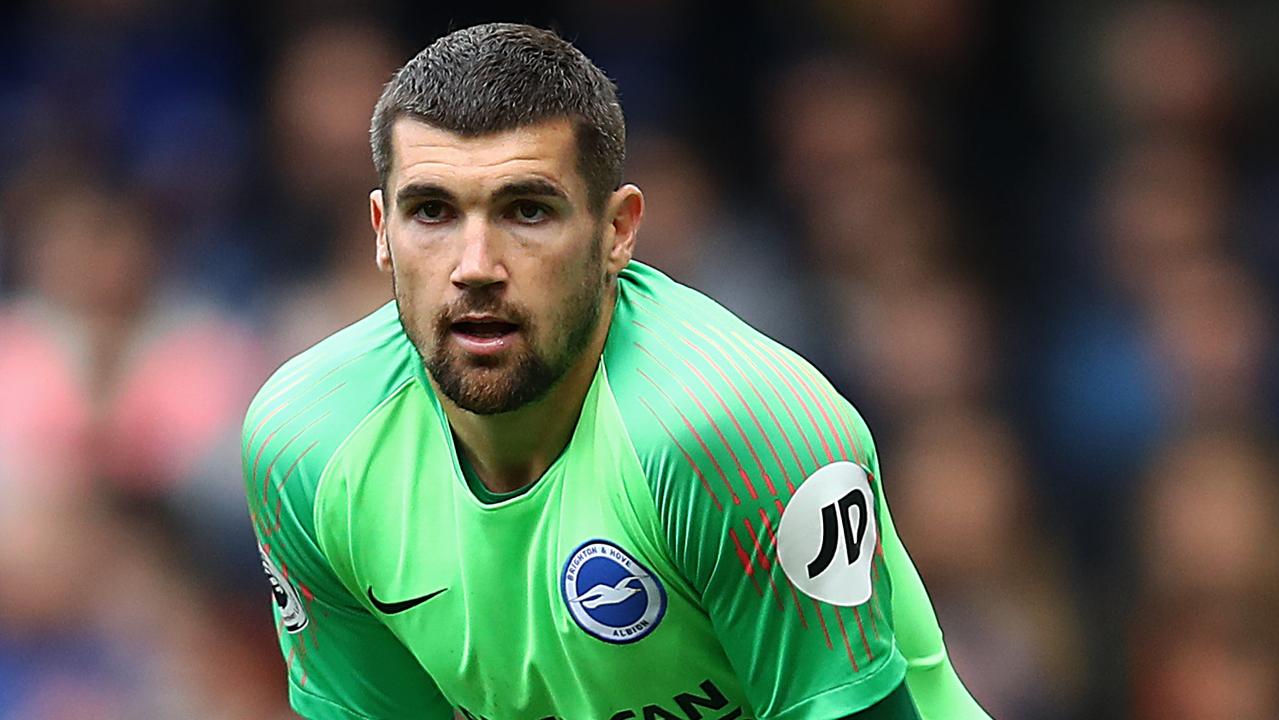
{"points": [[497, 261]]}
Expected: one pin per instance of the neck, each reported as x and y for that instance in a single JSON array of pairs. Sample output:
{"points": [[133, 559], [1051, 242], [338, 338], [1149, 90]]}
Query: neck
{"points": [[510, 451]]}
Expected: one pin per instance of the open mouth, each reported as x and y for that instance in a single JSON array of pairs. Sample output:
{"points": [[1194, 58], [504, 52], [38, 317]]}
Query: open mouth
{"points": [[484, 336], [484, 329]]}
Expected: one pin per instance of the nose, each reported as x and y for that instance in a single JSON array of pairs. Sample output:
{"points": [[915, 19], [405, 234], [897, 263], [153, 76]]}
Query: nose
{"points": [[480, 264]]}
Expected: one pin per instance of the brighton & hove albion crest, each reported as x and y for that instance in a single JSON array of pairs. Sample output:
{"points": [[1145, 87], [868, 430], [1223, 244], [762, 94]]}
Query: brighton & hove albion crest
{"points": [[610, 594]]}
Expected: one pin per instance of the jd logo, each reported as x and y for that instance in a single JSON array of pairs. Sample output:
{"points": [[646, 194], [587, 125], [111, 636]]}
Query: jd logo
{"points": [[826, 534], [837, 516]]}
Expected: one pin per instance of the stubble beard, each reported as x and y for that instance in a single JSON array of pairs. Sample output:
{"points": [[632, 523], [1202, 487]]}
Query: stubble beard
{"points": [[504, 383]]}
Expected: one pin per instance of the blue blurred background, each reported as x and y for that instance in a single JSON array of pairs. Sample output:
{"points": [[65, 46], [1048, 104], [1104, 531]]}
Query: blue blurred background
{"points": [[1036, 243]]}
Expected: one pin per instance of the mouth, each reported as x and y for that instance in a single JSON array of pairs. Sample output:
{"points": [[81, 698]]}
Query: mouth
{"points": [[484, 335]]}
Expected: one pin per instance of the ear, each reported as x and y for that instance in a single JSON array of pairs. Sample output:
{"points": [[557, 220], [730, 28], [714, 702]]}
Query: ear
{"points": [[377, 214], [624, 211]]}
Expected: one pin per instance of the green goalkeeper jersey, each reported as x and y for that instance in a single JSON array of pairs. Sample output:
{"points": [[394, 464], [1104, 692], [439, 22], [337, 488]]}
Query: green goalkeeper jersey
{"points": [[711, 543]]}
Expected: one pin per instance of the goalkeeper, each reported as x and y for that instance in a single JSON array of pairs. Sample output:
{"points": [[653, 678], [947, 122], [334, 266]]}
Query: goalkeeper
{"points": [[550, 482]]}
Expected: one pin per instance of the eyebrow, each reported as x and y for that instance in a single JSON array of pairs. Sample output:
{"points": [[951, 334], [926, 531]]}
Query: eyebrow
{"points": [[533, 187], [424, 191]]}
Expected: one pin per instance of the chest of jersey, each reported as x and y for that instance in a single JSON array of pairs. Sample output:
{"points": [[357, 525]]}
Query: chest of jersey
{"points": [[560, 602]]}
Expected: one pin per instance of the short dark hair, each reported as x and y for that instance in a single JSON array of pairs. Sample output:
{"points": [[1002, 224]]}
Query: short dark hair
{"points": [[501, 76]]}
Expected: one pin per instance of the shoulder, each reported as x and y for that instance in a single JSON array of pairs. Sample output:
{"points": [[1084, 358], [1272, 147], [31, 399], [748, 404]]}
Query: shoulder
{"points": [[345, 354], [701, 390], [669, 336], [308, 407]]}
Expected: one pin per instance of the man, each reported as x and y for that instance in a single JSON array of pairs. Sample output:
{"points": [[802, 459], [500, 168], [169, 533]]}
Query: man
{"points": [[548, 481]]}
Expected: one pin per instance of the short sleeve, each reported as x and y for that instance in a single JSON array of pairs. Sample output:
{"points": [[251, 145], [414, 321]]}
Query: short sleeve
{"points": [[770, 510], [342, 663]]}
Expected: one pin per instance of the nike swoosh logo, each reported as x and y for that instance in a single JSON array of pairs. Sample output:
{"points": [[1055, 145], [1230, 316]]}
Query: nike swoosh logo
{"points": [[391, 608]]}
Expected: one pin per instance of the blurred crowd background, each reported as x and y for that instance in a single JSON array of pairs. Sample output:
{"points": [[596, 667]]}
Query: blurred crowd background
{"points": [[1036, 243]]}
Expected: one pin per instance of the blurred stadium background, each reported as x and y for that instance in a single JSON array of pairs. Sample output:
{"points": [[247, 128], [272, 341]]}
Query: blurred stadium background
{"points": [[1037, 243]]}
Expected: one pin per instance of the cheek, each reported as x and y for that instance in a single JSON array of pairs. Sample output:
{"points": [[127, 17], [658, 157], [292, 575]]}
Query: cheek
{"points": [[417, 292], [416, 268], [569, 283]]}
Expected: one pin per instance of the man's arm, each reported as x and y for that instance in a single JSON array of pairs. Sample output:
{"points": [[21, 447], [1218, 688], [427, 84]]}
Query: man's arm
{"points": [[770, 516], [767, 487], [935, 687], [342, 663]]}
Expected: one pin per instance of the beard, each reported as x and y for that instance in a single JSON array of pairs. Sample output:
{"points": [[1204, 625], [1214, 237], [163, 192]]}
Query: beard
{"points": [[491, 385]]}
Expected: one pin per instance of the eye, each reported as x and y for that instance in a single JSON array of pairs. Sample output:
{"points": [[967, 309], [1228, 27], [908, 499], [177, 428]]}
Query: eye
{"points": [[433, 211], [529, 213]]}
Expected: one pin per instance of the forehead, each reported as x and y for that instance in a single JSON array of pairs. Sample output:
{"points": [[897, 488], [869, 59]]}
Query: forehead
{"points": [[423, 153]]}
